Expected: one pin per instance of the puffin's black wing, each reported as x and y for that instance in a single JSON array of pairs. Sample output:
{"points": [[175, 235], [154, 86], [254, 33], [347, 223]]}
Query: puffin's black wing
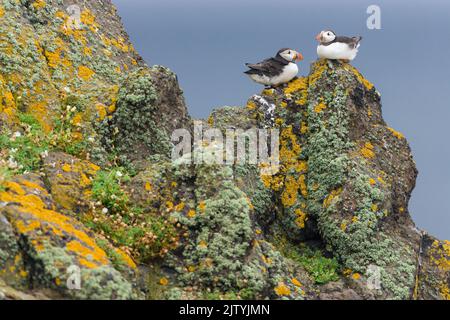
{"points": [[352, 42], [270, 67]]}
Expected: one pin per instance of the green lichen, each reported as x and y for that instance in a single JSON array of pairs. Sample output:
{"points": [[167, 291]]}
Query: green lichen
{"points": [[133, 130]]}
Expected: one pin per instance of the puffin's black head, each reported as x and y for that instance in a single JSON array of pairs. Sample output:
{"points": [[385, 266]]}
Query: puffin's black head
{"points": [[326, 36], [289, 55]]}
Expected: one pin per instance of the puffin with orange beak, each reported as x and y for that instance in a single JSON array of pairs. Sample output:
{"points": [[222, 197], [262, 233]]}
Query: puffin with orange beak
{"points": [[276, 71], [337, 47]]}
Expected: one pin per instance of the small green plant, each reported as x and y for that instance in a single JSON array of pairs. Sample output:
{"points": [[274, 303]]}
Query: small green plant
{"points": [[66, 135], [23, 149], [319, 267], [146, 235], [106, 188], [322, 269]]}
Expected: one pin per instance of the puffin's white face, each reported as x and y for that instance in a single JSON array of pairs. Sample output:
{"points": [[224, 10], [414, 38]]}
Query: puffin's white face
{"points": [[326, 36], [291, 55]]}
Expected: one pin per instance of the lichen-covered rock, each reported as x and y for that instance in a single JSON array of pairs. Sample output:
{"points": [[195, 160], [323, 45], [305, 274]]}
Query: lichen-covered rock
{"points": [[150, 106], [331, 223], [49, 245], [433, 278], [345, 177], [70, 180], [54, 49], [221, 249]]}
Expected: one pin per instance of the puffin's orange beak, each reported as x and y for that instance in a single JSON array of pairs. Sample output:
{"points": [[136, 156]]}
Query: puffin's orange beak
{"points": [[299, 57], [319, 36]]}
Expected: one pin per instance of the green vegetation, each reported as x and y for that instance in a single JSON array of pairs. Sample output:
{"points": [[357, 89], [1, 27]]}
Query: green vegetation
{"points": [[23, 150], [145, 235], [106, 188], [320, 268]]}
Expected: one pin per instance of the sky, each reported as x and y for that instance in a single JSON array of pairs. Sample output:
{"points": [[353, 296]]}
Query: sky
{"points": [[206, 43]]}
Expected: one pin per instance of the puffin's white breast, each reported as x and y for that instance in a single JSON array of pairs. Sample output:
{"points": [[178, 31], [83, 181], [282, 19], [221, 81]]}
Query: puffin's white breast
{"points": [[289, 72], [337, 50]]}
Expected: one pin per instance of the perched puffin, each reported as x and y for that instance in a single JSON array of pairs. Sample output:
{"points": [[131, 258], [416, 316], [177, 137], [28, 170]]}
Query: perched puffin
{"points": [[275, 71], [337, 48]]}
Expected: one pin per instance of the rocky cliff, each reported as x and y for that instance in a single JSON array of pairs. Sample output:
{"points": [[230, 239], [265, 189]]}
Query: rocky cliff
{"points": [[92, 207]]}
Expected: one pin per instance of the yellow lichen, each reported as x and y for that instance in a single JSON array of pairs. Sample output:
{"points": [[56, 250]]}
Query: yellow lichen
{"points": [[163, 281], [282, 290], [85, 73], [445, 291], [191, 214], [440, 255], [180, 206], [126, 258], [368, 151], [32, 208], [396, 134], [359, 76], [295, 282], [304, 128], [203, 244], [318, 69], [301, 218], [39, 4], [333, 195], [202, 206], [320, 107], [251, 105], [101, 111], [356, 276]]}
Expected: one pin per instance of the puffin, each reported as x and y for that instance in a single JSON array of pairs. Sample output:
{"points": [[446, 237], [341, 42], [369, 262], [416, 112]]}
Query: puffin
{"points": [[337, 47], [275, 71]]}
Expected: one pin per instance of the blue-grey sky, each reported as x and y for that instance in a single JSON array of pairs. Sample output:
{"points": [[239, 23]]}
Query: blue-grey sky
{"points": [[207, 43]]}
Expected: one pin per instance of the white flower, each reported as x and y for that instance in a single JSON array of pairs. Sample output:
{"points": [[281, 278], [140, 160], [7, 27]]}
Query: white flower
{"points": [[12, 164], [73, 109], [105, 210], [91, 139], [44, 154], [119, 174], [67, 89], [17, 134]]}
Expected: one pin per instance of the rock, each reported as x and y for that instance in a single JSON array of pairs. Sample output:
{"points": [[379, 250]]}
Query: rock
{"points": [[338, 291], [150, 106], [54, 247], [433, 278], [353, 175], [70, 180], [332, 223], [64, 49]]}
